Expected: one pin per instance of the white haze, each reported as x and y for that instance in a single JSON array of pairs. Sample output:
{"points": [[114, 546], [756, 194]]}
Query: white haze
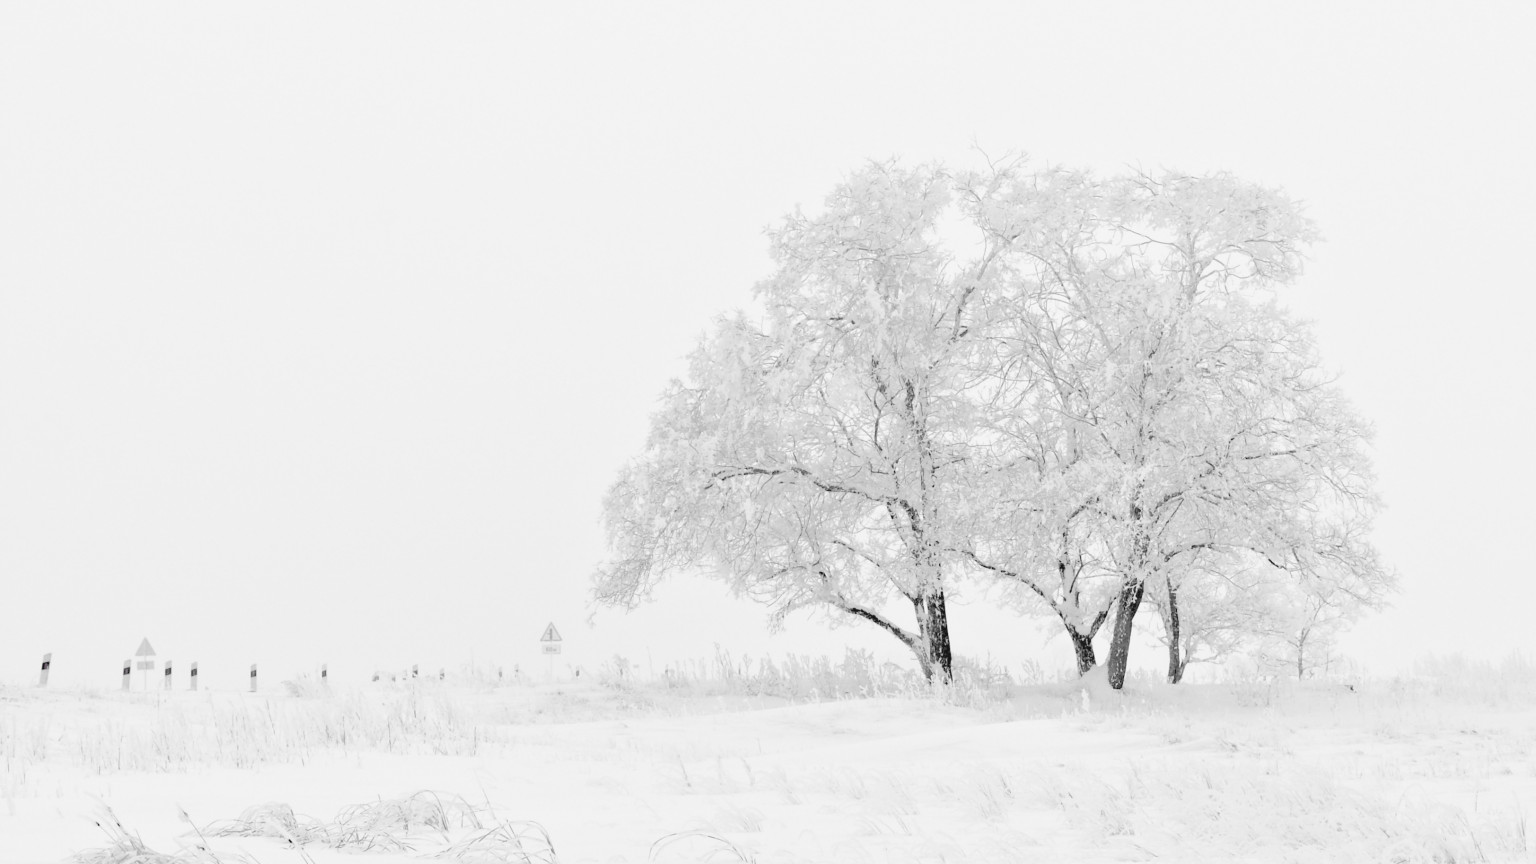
{"points": [[323, 328]]}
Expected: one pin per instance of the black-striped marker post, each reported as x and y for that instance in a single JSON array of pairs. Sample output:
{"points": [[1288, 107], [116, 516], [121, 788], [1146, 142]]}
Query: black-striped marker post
{"points": [[127, 670], [324, 681], [42, 677], [167, 674], [253, 677], [194, 676]]}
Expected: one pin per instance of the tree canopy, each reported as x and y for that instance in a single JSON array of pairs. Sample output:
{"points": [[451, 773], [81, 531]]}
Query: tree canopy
{"points": [[1081, 388]]}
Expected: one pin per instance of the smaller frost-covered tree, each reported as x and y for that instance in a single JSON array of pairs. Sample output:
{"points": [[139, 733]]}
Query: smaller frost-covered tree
{"points": [[1284, 609], [1166, 413], [1333, 579], [1216, 609]]}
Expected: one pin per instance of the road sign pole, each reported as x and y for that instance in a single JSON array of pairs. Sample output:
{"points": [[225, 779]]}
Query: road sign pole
{"points": [[550, 644], [146, 660]]}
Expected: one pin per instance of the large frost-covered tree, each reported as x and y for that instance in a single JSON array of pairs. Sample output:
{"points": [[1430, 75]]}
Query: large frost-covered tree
{"points": [[810, 459]]}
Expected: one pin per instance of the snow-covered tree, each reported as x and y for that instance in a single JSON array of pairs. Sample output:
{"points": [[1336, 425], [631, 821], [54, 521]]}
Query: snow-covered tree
{"points": [[1168, 412], [1217, 608], [811, 459], [1105, 399], [1333, 578]]}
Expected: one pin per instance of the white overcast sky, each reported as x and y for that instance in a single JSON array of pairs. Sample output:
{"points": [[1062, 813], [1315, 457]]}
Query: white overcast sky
{"points": [[324, 326]]}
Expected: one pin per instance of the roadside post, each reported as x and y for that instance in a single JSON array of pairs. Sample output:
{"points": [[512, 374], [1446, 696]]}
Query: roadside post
{"points": [[42, 678]]}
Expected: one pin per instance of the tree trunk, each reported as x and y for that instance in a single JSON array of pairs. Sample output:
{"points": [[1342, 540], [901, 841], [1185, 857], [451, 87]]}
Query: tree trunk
{"points": [[1082, 646], [1120, 644], [1171, 622], [936, 630], [1082, 641]]}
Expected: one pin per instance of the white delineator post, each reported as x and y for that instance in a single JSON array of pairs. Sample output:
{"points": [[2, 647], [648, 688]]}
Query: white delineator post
{"points": [[253, 677], [194, 675], [42, 677], [167, 674], [324, 681], [127, 669]]}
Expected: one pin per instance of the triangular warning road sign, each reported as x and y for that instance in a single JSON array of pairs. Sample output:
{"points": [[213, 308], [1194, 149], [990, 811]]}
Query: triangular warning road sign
{"points": [[145, 649], [550, 634]]}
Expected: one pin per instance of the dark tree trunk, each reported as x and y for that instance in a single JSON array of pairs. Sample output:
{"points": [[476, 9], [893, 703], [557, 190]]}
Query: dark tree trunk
{"points": [[936, 628], [1171, 622], [1120, 643], [1082, 646], [1082, 641]]}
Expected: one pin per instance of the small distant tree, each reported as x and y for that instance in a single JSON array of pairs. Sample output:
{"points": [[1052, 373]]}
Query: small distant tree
{"points": [[1286, 607], [1217, 609], [1332, 580]]}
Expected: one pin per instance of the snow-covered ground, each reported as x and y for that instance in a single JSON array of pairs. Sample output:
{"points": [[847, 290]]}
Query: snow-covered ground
{"points": [[1424, 770]]}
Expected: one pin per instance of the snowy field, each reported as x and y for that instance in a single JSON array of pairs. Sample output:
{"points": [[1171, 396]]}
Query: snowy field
{"points": [[1437, 767]]}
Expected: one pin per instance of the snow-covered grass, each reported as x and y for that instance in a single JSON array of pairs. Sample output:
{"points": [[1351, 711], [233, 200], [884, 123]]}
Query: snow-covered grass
{"points": [[790, 760]]}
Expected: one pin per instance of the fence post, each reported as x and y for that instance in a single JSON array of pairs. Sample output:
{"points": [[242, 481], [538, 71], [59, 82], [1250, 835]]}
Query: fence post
{"points": [[42, 678], [127, 669], [253, 677], [194, 676]]}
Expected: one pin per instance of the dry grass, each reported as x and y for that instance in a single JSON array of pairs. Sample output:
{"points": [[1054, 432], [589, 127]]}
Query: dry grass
{"points": [[697, 846], [125, 847], [504, 843], [386, 825]]}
